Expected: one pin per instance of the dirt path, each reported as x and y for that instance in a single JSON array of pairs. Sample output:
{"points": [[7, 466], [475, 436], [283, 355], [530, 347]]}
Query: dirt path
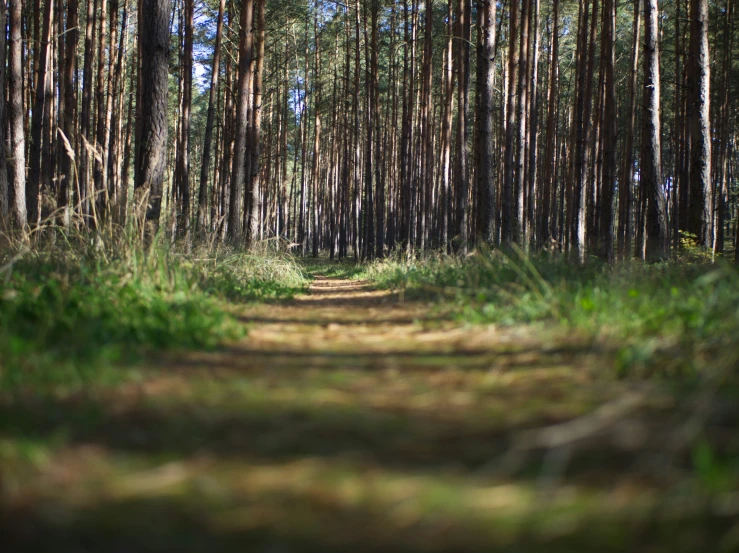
{"points": [[347, 420], [345, 325]]}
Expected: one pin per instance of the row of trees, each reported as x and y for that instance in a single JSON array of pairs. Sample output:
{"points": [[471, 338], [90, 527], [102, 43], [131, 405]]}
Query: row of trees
{"points": [[369, 126]]}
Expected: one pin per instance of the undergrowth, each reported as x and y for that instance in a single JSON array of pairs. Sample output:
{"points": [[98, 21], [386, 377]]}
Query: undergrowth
{"points": [[75, 305], [338, 268], [671, 318]]}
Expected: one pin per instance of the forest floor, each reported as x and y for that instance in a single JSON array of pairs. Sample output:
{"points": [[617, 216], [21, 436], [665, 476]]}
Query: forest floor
{"points": [[352, 419]]}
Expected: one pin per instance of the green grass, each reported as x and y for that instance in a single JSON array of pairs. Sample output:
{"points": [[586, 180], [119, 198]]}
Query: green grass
{"points": [[73, 306], [262, 461], [309, 438], [671, 318], [339, 268]]}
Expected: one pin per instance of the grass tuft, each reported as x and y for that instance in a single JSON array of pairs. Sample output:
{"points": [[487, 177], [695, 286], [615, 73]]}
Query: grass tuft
{"points": [[680, 318], [73, 305]]}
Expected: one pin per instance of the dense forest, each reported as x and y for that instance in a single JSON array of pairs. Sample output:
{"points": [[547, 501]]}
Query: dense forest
{"points": [[409, 276], [594, 128]]}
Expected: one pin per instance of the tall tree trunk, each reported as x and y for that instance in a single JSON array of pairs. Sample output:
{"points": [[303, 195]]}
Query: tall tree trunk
{"points": [[446, 132], [15, 114], [357, 161], [4, 190], [183, 154], [243, 98], [521, 181], [585, 160], [115, 51], [679, 180], [425, 170], [318, 128], [724, 132], [576, 180], [404, 128], [609, 131], [256, 125], [152, 111], [302, 208], [627, 174], [461, 184], [371, 152], [224, 184], [126, 162], [85, 112], [699, 98], [532, 191], [545, 229], [205, 165], [344, 237], [651, 178], [101, 191], [509, 224], [67, 109], [38, 182], [115, 136], [375, 108]]}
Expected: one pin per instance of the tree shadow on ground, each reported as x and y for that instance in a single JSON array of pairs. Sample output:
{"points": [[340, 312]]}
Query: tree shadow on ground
{"points": [[218, 506], [303, 523], [408, 435], [264, 426], [245, 360]]}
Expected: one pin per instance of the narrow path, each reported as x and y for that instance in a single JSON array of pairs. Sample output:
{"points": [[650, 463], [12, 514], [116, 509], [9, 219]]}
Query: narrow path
{"points": [[345, 324]]}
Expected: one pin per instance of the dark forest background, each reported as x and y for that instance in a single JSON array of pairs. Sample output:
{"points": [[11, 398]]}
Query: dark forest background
{"points": [[597, 128]]}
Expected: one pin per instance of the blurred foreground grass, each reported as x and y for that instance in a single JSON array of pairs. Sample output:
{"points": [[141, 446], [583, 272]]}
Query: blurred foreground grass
{"points": [[359, 420], [347, 460]]}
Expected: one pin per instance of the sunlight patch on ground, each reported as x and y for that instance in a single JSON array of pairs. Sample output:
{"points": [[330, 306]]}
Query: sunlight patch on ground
{"points": [[349, 419]]}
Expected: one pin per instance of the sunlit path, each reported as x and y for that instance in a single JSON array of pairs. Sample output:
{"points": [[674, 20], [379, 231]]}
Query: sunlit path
{"points": [[350, 419]]}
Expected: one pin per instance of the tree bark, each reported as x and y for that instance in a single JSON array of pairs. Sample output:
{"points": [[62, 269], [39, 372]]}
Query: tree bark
{"points": [[509, 224], [544, 227], [152, 111], [724, 131], [15, 114], [115, 136], [126, 162], [521, 180], [461, 185], [84, 172], [67, 109], [37, 180], [101, 192], [609, 132], [627, 175], [243, 99], [183, 146], [532, 192], [446, 133], [651, 178], [4, 190], [256, 125], [699, 98], [207, 140]]}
